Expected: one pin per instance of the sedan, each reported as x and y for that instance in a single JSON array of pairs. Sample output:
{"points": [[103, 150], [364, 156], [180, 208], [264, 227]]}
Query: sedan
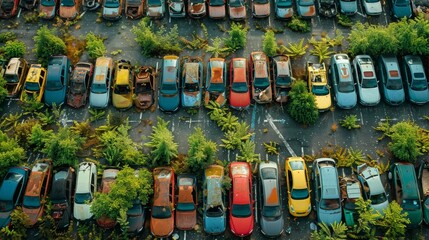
{"points": [[86, 186], [342, 81], [239, 93], [69, 9], [217, 9], [372, 7], [373, 189], [298, 187], [401, 8], [367, 82], [260, 76], [192, 79], [48, 8], [123, 85], [186, 208], [57, 80], [214, 216], [391, 80], [215, 86], [112, 9], [306, 8], [62, 193], [168, 97], [79, 84], [107, 180], [283, 9], [176, 8], [415, 79], [237, 10], [282, 77]]}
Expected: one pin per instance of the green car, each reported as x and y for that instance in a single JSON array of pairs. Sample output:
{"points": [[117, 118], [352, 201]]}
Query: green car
{"points": [[406, 191]]}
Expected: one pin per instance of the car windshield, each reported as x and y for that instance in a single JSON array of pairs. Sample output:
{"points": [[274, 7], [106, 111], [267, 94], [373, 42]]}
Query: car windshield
{"points": [[372, 1], [154, 3], [271, 211], [197, 1], [330, 204], [216, 3], [261, 82], [410, 204], [306, 2], [321, 90], [32, 86], [402, 3], [369, 83], [6, 206], [143, 88], [241, 210], [236, 3], [419, 85], [216, 87], [378, 198], [185, 206], [261, 1], [191, 87], [53, 85], [98, 88], [214, 211], [81, 198], [169, 88], [240, 87], [31, 202], [394, 84], [122, 89], [11, 78], [346, 86], [77, 87], [299, 193], [161, 212], [67, 3], [284, 3], [112, 3]]}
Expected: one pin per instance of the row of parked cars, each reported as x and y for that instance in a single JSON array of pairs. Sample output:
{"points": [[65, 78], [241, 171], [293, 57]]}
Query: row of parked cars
{"points": [[398, 81]]}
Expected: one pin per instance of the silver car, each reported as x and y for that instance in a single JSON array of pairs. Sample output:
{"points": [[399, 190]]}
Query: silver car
{"points": [[327, 191], [373, 189], [415, 79], [372, 7], [271, 203], [367, 82]]}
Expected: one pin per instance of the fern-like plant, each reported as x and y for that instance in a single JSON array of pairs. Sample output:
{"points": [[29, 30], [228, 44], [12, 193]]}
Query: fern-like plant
{"points": [[350, 122], [294, 49]]}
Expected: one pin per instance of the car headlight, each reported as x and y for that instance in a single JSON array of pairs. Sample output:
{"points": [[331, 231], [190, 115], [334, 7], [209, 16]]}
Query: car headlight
{"points": [[309, 208], [292, 209]]}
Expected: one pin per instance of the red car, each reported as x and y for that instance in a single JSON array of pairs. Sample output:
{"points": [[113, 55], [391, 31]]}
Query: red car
{"points": [[162, 212], [241, 201], [239, 94], [9, 8], [80, 81]]}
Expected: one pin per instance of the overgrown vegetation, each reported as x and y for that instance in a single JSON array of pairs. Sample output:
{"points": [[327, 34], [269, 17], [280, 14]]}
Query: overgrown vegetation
{"points": [[344, 20], [294, 50], [3, 90], [47, 44], [322, 48], [7, 36], [201, 153], [95, 45], [11, 154], [163, 147], [350, 122], [237, 37], [14, 48], [269, 44], [302, 105], [297, 24], [197, 41]]}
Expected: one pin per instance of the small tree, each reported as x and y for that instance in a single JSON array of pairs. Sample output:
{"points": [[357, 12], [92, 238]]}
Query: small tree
{"points": [[394, 221], [217, 48], [201, 153], [269, 44], [14, 48], [336, 231], [162, 143], [404, 143], [350, 122], [237, 37], [11, 154], [302, 106], [295, 49], [95, 46], [365, 227], [48, 44], [247, 152], [19, 222]]}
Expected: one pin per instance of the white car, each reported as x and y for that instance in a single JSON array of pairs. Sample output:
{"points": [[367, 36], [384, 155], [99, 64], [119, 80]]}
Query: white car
{"points": [[373, 189], [372, 7], [367, 82], [86, 186]]}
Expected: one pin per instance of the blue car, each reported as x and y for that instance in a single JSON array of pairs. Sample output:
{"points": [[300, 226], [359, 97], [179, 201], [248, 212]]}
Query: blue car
{"points": [[415, 79], [342, 81], [57, 80], [391, 81], [192, 76], [168, 97], [401, 8], [214, 216], [11, 192]]}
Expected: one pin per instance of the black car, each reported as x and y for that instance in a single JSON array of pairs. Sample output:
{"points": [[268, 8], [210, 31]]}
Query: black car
{"points": [[61, 195], [136, 216]]}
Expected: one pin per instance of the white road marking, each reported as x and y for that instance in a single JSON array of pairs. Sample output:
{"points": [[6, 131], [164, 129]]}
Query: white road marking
{"points": [[184, 235], [289, 148], [19, 12], [361, 14], [172, 127], [82, 14], [390, 119], [229, 157], [276, 120], [278, 160], [256, 205], [269, 21], [334, 121], [141, 115], [150, 24], [169, 20], [344, 174], [361, 118], [412, 115], [302, 151]]}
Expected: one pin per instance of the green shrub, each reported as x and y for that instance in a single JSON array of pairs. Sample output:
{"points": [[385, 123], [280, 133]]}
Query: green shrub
{"points": [[48, 44], [269, 44], [7, 36], [298, 25], [237, 37], [14, 48], [95, 46]]}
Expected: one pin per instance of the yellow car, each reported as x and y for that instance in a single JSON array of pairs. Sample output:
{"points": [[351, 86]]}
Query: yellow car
{"points": [[34, 85], [318, 85], [123, 87], [298, 187]]}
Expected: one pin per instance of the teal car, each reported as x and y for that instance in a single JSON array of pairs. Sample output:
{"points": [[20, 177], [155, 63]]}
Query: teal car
{"points": [[401, 8], [406, 192], [342, 81], [214, 215], [192, 77], [391, 80], [415, 79], [168, 97], [57, 80]]}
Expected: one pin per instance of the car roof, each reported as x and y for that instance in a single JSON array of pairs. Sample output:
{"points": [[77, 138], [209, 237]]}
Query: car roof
{"points": [[261, 70], [391, 65], [123, 76], [162, 190], [283, 68], [58, 188], [409, 182], [240, 75], [415, 64], [54, 72], [192, 72], [271, 192], [214, 192], [185, 194], [169, 70], [241, 191], [341, 58], [34, 183], [329, 182], [8, 189], [84, 176], [33, 73], [13, 66], [239, 168]]}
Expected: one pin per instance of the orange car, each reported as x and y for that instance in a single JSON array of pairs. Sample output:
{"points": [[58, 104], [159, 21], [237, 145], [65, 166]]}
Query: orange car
{"points": [[186, 208], [37, 189], [109, 177], [162, 212], [69, 9]]}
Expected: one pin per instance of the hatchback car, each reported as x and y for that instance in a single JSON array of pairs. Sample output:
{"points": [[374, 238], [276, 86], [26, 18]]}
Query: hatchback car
{"points": [[372, 7], [86, 186], [176, 8], [48, 8], [112, 9], [348, 7], [415, 79], [328, 8], [155, 9], [261, 8], [123, 85], [192, 79], [214, 216], [16, 71], [34, 86], [401, 8], [79, 84], [237, 10], [327, 191], [342, 81], [283, 9], [366, 79], [9, 8], [391, 81], [306, 8], [260, 77], [372, 186], [187, 201], [69, 9], [217, 9], [298, 187], [107, 180], [57, 80], [168, 96], [215, 86], [11, 192], [37, 190], [317, 82], [134, 9], [241, 201], [136, 216], [282, 77], [145, 87], [406, 192], [271, 202], [61, 195], [100, 88], [162, 212], [197, 8], [239, 93]]}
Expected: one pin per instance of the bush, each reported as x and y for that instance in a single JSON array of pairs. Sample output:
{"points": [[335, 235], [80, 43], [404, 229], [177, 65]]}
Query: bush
{"points": [[302, 106], [350, 122], [14, 48], [11, 153], [201, 153], [162, 144], [3, 90], [237, 37], [48, 44], [298, 25], [95, 46], [404, 144], [269, 44], [7, 36]]}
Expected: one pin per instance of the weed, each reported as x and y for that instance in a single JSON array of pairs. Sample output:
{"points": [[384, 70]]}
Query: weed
{"points": [[197, 42], [298, 25], [31, 17], [114, 53], [344, 20], [10, 122], [294, 49], [272, 148], [75, 48], [350, 122], [96, 114], [7, 36]]}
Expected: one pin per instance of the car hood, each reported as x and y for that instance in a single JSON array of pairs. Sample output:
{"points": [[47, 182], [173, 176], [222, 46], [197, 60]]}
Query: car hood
{"points": [[162, 227], [394, 97], [191, 99], [155, 11], [346, 100], [217, 11], [323, 102], [135, 223], [122, 101], [237, 12], [239, 100], [415, 216], [402, 11], [214, 225], [56, 97], [419, 97], [300, 206], [329, 216], [68, 12], [111, 12], [284, 12], [197, 9], [261, 10], [82, 211], [143, 100], [33, 214], [176, 7], [186, 220], [4, 219], [169, 103], [272, 227], [373, 7], [348, 7], [241, 226], [98, 100], [48, 12], [369, 96], [307, 11], [76, 100], [380, 207]]}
